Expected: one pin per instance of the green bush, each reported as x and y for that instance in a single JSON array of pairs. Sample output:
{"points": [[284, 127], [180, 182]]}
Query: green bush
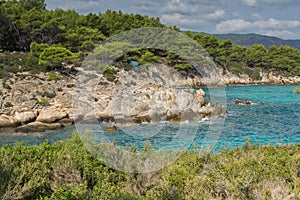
{"points": [[148, 57], [43, 101], [66, 170], [180, 66], [52, 76], [110, 74], [55, 57], [8, 104]]}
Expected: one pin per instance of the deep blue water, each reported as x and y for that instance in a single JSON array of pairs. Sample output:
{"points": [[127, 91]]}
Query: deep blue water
{"points": [[274, 118]]}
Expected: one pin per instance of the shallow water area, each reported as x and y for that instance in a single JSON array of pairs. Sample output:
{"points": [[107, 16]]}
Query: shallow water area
{"points": [[273, 118]]}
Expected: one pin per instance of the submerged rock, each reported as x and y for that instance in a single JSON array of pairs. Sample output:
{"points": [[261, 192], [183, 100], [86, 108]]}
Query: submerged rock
{"points": [[242, 102], [111, 128]]}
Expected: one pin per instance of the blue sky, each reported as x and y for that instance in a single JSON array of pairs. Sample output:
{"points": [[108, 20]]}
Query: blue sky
{"points": [[279, 18]]}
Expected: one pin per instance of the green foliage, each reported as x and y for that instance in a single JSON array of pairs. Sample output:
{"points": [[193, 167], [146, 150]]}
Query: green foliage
{"points": [[26, 25], [66, 170], [110, 74], [148, 57], [70, 85], [8, 104], [183, 66], [52, 76], [55, 57], [43, 101]]}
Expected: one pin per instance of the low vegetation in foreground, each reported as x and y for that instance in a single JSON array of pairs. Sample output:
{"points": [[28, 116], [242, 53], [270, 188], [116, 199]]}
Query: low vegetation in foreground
{"points": [[66, 170]]}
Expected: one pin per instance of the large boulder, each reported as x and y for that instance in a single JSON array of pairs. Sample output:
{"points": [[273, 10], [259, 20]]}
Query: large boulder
{"points": [[8, 121], [38, 127], [25, 117], [51, 115]]}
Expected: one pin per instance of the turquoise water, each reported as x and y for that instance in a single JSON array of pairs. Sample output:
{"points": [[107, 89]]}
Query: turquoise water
{"points": [[274, 118]]}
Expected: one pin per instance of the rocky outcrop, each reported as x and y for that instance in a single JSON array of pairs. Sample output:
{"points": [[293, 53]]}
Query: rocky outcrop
{"points": [[144, 95], [38, 127], [263, 78], [8, 121], [25, 117], [50, 115], [139, 96]]}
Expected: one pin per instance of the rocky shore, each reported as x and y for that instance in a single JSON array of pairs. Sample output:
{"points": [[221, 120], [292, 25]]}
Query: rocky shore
{"points": [[40, 102], [264, 78]]}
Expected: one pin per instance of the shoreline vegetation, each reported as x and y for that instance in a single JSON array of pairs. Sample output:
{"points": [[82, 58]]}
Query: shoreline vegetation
{"points": [[41, 52], [66, 170], [36, 39]]}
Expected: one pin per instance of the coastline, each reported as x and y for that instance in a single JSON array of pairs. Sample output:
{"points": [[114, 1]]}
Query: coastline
{"points": [[22, 109]]}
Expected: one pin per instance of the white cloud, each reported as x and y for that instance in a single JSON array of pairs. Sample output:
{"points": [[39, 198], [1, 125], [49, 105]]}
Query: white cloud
{"points": [[257, 16], [204, 15], [250, 2], [232, 25], [179, 19], [275, 24], [216, 15], [280, 33], [270, 26]]}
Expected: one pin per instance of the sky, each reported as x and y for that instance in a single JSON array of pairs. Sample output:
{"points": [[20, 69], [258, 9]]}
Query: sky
{"points": [[279, 18]]}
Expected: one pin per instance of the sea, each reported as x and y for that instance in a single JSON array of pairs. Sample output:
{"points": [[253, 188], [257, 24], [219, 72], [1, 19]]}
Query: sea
{"points": [[272, 118]]}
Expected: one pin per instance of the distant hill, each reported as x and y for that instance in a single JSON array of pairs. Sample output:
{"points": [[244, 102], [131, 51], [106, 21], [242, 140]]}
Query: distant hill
{"points": [[252, 38]]}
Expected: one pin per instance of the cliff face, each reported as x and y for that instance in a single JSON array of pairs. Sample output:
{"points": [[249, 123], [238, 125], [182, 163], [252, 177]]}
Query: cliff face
{"points": [[146, 94]]}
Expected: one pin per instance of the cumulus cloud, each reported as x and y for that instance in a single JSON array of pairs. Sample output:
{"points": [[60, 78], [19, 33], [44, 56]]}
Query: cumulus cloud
{"points": [[249, 2], [268, 27], [233, 25], [220, 16], [216, 15], [252, 3], [181, 20], [257, 16]]}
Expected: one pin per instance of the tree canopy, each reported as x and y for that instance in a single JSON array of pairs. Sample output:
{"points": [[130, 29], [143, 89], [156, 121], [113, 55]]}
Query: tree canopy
{"points": [[27, 26]]}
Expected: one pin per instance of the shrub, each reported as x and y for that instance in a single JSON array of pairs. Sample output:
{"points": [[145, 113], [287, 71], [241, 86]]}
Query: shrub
{"points": [[67, 170], [43, 101], [148, 57], [70, 85], [183, 66], [55, 56], [8, 104], [6, 86], [52, 76], [110, 74]]}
